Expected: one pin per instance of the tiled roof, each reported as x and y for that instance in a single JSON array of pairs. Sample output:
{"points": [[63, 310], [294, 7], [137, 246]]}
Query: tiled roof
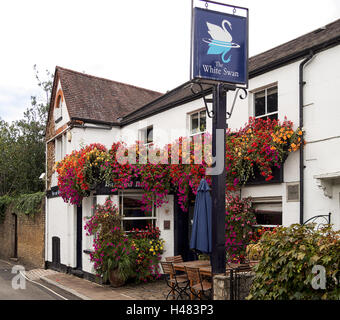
{"points": [[295, 49], [92, 98], [180, 95]]}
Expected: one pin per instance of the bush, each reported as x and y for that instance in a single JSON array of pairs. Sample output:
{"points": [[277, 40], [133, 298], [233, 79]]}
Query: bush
{"points": [[289, 255]]}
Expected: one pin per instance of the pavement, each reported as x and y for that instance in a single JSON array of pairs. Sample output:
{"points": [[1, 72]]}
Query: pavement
{"points": [[48, 284], [88, 290]]}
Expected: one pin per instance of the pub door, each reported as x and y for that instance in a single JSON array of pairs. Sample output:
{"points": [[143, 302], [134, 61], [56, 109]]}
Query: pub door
{"points": [[182, 231]]}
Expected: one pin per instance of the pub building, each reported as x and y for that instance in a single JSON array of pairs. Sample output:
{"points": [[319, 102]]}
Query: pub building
{"points": [[85, 109]]}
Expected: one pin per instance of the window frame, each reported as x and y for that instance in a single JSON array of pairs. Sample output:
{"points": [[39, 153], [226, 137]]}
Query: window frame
{"points": [[191, 134], [121, 194], [268, 201], [60, 147], [269, 212], [58, 113], [265, 89], [144, 133]]}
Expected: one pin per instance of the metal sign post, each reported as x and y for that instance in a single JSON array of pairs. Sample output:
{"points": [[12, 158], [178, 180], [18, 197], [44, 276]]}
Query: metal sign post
{"points": [[218, 184], [219, 56]]}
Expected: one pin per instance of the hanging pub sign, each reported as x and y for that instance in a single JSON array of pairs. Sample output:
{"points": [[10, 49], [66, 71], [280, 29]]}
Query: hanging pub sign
{"points": [[219, 47]]}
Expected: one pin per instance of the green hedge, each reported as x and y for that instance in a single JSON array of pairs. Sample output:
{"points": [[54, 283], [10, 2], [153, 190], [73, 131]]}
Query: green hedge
{"points": [[289, 255], [27, 204]]}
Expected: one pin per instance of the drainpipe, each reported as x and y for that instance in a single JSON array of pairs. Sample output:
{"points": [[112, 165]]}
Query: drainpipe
{"points": [[301, 102]]}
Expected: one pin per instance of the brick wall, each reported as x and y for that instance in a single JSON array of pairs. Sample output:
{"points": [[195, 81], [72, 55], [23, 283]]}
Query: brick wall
{"points": [[7, 236], [31, 238], [50, 133], [50, 162]]}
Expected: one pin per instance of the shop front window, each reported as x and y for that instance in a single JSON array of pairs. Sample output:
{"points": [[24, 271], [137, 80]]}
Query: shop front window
{"points": [[132, 215]]}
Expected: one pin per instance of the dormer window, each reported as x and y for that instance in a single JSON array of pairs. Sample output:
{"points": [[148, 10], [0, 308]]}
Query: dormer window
{"points": [[58, 107]]}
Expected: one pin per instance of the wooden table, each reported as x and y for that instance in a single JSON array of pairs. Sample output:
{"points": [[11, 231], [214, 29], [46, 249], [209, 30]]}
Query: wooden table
{"points": [[204, 267]]}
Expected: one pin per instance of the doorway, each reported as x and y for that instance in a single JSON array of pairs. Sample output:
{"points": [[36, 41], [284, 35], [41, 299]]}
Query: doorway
{"points": [[182, 230], [79, 241]]}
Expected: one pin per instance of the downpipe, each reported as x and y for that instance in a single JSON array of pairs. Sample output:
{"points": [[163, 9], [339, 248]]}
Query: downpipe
{"points": [[301, 103]]}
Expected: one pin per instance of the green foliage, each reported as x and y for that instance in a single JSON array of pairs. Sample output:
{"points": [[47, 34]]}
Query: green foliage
{"points": [[111, 246], [145, 256], [133, 256], [5, 201], [289, 254], [22, 146], [26, 204]]}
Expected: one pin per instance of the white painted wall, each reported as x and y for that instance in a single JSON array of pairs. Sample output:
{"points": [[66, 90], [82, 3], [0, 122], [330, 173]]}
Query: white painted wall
{"points": [[166, 212], [61, 223], [85, 136]]}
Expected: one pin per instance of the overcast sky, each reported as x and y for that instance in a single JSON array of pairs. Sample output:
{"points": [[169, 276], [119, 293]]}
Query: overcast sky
{"points": [[144, 43]]}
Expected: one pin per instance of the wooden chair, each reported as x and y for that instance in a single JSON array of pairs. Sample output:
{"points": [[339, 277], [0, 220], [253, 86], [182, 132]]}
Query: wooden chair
{"points": [[174, 259], [198, 287], [177, 283]]}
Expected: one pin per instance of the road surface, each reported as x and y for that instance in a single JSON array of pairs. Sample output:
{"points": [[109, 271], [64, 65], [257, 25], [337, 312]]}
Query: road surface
{"points": [[32, 291]]}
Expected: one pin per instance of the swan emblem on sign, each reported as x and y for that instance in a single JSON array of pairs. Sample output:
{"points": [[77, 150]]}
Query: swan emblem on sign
{"points": [[221, 41]]}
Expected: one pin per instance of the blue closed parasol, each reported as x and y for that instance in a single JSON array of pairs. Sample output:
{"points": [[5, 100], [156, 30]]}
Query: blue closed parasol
{"points": [[201, 229]]}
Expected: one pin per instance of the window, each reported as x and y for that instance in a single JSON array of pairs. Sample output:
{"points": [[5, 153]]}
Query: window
{"points": [[268, 214], [58, 109], [60, 147], [265, 103], [146, 135], [198, 122], [93, 205], [130, 204]]}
